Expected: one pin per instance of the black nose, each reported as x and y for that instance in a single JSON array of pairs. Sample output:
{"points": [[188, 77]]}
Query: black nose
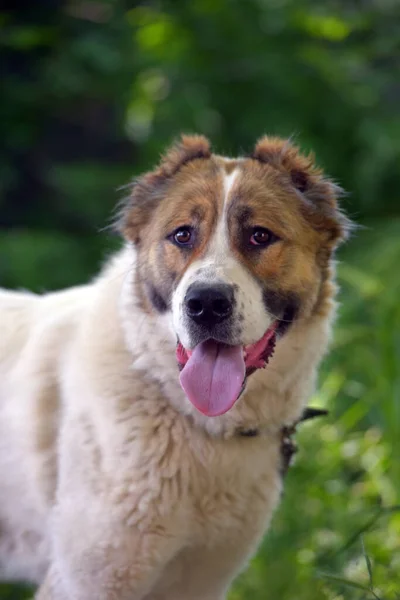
{"points": [[209, 305]]}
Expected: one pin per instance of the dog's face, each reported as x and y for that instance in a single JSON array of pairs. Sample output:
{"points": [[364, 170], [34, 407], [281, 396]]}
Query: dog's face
{"points": [[235, 251]]}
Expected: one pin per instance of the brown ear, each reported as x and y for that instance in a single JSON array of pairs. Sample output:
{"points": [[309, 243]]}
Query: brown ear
{"points": [[186, 149], [320, 194], [149, 189]]}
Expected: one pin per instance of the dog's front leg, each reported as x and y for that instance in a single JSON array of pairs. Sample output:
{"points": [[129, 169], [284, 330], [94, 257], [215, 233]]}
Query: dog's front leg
{"points": [[123, 570]]}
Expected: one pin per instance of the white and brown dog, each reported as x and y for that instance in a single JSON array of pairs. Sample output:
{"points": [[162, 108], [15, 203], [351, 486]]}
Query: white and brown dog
{"points": [[140, 436]]}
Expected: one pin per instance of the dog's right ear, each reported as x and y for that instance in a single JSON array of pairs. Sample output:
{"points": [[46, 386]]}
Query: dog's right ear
{"points": [[149, 189], [319, 193]]}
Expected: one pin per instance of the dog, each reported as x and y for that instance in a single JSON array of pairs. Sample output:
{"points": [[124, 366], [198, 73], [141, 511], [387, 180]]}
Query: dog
{"points": [[142, 416]]}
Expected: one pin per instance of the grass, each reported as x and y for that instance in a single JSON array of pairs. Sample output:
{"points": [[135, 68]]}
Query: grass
{"points": [[336, 535]]}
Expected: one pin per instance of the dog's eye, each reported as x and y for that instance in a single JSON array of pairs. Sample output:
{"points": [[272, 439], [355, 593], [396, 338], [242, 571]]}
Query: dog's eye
{"points": [[261, 237], [183, 236]]}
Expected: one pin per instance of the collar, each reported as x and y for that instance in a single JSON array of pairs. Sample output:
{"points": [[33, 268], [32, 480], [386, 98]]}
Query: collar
{"points": [[288, 445], [248, 432], [308, 413]]}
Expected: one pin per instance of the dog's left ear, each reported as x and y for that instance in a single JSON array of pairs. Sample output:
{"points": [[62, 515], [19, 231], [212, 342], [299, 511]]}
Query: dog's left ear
{"points": [[149, 189], [320, 194]]}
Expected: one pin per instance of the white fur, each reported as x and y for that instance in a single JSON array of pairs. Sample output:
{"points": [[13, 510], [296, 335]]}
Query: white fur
{"points": [[112, 486], [218, 265]]}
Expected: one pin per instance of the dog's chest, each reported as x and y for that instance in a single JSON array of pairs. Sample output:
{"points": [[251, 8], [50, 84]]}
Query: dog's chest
{"points": [[214, 489], [233, 488]]}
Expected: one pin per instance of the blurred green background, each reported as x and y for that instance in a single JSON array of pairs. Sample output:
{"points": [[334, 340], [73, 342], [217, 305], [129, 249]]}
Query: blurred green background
{"points": [[93, 91]]}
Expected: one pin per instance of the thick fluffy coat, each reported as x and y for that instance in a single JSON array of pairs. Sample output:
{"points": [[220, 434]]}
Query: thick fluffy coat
{"points": [[113, 483]]}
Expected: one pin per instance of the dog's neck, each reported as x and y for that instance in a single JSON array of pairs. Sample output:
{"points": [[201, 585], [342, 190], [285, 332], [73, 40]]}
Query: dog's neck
{"points": [[274, 397]]}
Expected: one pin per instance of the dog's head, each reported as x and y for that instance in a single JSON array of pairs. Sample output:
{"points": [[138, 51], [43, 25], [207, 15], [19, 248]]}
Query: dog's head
{"points": [[235, 250]]}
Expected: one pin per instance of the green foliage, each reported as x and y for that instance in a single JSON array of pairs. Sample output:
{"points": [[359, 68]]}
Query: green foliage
{"points": [[92, 93]]}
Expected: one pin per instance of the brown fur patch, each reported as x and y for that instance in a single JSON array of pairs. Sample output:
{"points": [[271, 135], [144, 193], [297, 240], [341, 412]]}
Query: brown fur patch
{"points": [[150, 188], [264, 198], [283, 191], [194, 199], [306, 177]]}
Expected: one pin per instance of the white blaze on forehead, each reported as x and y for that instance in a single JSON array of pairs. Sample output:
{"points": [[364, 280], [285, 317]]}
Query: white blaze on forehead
{"points": [[250, 318], [219, 243], [229, 180]]}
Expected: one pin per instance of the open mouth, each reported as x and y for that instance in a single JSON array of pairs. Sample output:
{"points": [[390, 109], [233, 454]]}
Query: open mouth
{"points": [[213, 374]]}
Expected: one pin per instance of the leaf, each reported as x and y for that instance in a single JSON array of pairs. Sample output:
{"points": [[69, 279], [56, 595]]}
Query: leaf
{"points": [[367, 560]]}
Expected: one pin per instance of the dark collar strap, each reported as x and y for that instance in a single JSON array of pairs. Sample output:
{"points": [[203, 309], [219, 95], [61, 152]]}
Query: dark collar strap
{"points": [[311, 413], [248, 432], [288, 445], [288, 431]]}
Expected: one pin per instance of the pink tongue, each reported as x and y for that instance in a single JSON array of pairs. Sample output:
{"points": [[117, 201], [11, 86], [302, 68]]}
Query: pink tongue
{"points": [[213, 377]]}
